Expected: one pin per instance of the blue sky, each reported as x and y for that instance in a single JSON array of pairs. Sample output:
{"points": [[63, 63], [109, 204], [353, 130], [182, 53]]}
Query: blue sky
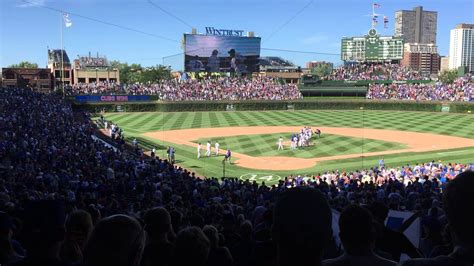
{"points": [[27, 29]]}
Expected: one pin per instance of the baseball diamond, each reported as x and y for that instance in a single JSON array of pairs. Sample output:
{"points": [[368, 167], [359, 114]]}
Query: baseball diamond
{"points": [[350, 139], [163, 138]]}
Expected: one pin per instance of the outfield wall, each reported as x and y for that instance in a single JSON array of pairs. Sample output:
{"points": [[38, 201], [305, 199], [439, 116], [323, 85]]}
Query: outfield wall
{"points": [[353, 91], [307, 104]]}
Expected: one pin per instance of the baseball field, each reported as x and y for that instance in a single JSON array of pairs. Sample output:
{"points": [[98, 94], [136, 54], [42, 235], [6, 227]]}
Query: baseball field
{"points": [[350, 140]]}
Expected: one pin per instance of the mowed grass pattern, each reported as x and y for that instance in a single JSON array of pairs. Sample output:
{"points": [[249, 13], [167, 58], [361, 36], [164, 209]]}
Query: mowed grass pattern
{"points": [[327, 145], [461, 125]]}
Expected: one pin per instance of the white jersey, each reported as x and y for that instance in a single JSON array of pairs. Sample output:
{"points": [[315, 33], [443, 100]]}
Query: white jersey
{"points": [[216, 146], [208, 149], [199, 151]]}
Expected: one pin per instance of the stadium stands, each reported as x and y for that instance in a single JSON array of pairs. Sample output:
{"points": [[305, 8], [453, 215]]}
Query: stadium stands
{"points": [[385, 71], [261, 88], [460, 90], [53, 166]]}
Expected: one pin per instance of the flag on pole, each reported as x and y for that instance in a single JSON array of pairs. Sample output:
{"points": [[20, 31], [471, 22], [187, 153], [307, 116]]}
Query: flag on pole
{"points": [[376, 5], [374, 21], [67, 20], [385, 22]]}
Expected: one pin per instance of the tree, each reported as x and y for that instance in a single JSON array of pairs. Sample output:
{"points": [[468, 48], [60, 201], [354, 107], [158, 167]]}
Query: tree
{"points": [[155, 74], [24, 64], [322, 70], [135, 73], [448, 76]]}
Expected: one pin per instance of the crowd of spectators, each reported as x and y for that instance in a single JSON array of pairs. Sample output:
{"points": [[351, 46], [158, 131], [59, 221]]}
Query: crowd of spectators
{"points": [[461, 90], [224, 88], [101, 87], [68, 197], [386, 71]]}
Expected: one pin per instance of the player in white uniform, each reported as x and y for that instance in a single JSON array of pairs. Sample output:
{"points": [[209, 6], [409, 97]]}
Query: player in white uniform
{"points": [[216, 147], [280, 143], [208, 149], [199, 150]]}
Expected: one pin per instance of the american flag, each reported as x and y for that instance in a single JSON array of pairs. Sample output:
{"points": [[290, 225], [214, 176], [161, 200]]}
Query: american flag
{"points": [[376, 5]]}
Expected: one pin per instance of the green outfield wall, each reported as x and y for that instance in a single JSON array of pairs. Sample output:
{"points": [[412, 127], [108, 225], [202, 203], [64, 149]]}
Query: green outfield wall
{"points": [[307, 104]]}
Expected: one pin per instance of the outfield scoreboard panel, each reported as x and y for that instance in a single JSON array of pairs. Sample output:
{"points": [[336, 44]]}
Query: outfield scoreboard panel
{"points": [[218, 53], [371, 48]]}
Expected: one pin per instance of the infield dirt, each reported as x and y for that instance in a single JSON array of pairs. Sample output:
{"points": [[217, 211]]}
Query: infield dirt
{"points": [[415, 142]]}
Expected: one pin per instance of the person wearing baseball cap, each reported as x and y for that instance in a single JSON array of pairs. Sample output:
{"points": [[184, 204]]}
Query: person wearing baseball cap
{"points": [[302, 227]]}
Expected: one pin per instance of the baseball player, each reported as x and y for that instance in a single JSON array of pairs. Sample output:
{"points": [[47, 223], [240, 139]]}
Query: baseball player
{"points": [[208, 148], [227, 156], [280, 143], [216, 147], [293, 144], [199, 150], [171, 155]]}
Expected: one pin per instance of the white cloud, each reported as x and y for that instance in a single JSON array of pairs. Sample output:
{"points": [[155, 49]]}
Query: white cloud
{"points": [[315, 39], [30, 3]]}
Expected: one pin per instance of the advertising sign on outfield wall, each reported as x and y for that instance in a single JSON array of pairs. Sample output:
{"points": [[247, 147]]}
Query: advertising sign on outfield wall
{"points": [[111, 98]]}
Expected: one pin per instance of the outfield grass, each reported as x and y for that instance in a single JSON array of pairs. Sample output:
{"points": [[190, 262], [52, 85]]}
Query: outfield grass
{"points": [[462, 125]]}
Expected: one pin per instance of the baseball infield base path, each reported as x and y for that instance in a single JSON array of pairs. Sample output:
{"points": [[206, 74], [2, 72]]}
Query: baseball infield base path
{"points": [[415, 142]]}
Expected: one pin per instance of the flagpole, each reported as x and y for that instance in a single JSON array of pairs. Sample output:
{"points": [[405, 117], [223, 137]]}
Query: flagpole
{"points": [[62, 52], [373, 12]]}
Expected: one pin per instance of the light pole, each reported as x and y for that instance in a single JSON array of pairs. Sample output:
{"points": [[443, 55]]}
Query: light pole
{"points": [[223, 168]]}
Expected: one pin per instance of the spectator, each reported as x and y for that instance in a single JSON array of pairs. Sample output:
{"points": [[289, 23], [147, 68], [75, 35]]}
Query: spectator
{"points": [[78, 227], [383, 71], [357, 234], [223, 88], [458, 201], [43, 232], [117, 240], [159, 249], [217, 255], [191, 247], [460, 90], [302, 227], [243, 250]]}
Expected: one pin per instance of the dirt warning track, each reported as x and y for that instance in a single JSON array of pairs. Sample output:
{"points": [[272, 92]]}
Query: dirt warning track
{"points": [[415, 142]]}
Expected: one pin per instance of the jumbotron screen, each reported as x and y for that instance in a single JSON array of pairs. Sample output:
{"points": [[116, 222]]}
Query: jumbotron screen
{"points": [[210, 53]]}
